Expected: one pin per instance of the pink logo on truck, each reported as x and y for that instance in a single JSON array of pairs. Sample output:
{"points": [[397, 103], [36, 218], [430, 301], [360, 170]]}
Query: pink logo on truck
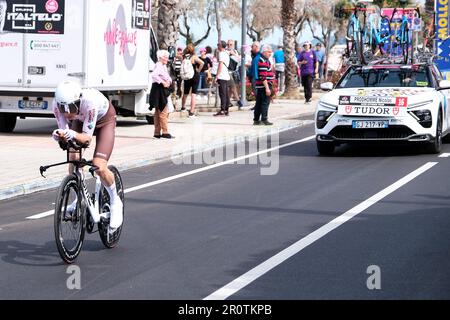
{"points": [[118, 36], [51, 6]]}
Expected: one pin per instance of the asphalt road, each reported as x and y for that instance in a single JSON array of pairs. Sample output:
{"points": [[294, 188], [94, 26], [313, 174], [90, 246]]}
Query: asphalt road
{"points": [[190, 237]]}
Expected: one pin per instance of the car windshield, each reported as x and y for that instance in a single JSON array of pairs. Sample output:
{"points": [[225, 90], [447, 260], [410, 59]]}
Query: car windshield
{"points": [[407, 76]]}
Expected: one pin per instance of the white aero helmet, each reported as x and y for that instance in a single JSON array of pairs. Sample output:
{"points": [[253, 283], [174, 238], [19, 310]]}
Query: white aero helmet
{"points": [[67, 93]]}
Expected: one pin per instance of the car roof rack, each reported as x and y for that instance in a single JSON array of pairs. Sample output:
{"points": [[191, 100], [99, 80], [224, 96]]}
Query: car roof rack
{"points": [[426, 57], [387, 60]]}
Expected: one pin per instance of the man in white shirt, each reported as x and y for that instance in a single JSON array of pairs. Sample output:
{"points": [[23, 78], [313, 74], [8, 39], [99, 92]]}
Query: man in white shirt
{"points": [[223, 76], [233, 85]]}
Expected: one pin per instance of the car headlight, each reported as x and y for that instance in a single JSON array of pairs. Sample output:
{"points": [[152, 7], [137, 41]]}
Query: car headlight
{"points": [[328, 105], [424, 117], [323, 117], [419, 104]]}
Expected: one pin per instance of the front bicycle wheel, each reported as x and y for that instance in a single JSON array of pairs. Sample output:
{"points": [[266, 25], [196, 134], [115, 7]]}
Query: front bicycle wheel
{"points": [[360, 48], [69, 225], [110, 241], [350, 39]]}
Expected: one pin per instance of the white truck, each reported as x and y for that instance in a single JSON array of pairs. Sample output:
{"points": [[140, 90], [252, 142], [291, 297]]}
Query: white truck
{"points": [[105, 44]]}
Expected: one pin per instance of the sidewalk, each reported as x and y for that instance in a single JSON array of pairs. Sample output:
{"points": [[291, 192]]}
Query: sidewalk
{"points": [[24, 151]]}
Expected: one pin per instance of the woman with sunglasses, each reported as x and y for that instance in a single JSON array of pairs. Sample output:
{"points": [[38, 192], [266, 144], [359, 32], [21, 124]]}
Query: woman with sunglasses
{"points": [[81, 113]]}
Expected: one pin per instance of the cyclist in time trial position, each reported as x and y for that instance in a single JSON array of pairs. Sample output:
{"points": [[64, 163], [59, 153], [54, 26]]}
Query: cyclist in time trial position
{"points": [[80, 113]]}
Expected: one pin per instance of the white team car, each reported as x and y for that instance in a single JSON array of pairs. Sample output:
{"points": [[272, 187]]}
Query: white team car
{"points": [[385, 102]]}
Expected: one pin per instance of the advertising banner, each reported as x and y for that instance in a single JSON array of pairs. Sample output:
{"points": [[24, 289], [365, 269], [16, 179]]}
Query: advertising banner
{"points": [[414, 24], [372, 106], [442, 36], [141, 14], [32, 16]]}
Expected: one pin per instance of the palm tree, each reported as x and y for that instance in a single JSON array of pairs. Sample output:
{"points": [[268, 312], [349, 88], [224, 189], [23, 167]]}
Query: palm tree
{"points": [[168, 27], [289, 20], [429, 6]]}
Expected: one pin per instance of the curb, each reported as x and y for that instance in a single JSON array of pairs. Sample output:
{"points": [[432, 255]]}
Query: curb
{"points": [[37, 186]]}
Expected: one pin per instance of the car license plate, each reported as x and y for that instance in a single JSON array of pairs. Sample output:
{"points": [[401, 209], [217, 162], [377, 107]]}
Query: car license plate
{"points": [[33, 104], [375, 124]]}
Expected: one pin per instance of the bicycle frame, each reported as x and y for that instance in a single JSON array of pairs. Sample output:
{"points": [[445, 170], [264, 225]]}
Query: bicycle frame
{"points": [[401, 35], [377, 34], [358, 34], [92, 206], [355, 20], [90, 210]]}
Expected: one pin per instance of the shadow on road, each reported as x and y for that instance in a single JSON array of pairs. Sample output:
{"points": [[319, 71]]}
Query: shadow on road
{"points": [[28, 254], [231, 207], [308, 149]]}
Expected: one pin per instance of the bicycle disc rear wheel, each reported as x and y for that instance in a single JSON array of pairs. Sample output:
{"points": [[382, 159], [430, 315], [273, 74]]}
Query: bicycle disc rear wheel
{"points": [[69, 227], [385, 34], [110, 241]]}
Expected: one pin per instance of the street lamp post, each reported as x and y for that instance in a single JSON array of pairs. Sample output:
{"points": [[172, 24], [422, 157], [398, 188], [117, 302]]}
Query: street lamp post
{"points": [[243, 42]]}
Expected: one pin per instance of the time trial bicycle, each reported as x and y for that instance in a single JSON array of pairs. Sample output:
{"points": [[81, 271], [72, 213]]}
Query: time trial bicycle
{"points": [[92, 209]]}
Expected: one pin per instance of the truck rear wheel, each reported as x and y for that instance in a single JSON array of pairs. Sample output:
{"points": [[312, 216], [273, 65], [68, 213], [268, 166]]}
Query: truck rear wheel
{"points": [[7, 123]]}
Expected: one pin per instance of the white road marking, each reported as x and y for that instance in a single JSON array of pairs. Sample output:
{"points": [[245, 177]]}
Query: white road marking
{"points": [[444, 155], [247, 278], [42, 215], [189, 173]]}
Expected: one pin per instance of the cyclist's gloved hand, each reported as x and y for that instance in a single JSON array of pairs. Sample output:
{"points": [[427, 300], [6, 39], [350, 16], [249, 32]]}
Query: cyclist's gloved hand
{"points": [[55, 135], [69, 134]]}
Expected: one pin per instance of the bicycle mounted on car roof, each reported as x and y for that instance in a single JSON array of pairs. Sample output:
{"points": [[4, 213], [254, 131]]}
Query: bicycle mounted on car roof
{"points": [[372, 38]]}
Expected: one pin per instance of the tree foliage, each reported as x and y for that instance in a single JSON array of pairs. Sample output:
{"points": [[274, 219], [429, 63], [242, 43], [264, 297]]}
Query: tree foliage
{"points": [[195, 12], [263, 17]]}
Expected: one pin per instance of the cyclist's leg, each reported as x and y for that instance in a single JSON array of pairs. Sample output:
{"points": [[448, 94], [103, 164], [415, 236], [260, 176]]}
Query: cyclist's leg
{"points": [[78, 127], [104, 145]]}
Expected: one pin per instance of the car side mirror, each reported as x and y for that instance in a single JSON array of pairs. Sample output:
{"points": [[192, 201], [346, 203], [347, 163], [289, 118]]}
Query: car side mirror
{"points": [[444, 85], [327, 86]]}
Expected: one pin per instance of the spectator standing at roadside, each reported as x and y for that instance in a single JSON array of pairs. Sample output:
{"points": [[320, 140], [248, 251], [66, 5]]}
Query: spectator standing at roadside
{"points": [[279, 68], [160, 95], [191, 85], [209, 53], [234, 74], [248, 56], [309, 67], [264, 83], [205, 73], [253, 69], [320, 56], [298, 51], [176, 67], [215, 63], [222, 79]]}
